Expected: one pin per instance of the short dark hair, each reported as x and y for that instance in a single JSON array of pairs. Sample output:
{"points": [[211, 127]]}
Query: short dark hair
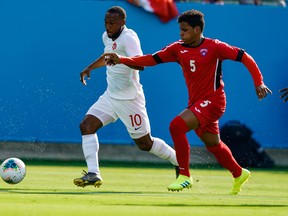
{"points": [[118, 10], [193, 18]]}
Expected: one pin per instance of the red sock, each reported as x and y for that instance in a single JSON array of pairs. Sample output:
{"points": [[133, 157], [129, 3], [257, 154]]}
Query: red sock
{"points": [[178, 129], [225, 158]]}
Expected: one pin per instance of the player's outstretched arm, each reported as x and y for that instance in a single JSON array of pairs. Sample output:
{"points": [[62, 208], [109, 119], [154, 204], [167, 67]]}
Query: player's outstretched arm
{"points": [[86, 71], [261, 89], [284, 95], [113, 58], [140, 61], [141, 68]]}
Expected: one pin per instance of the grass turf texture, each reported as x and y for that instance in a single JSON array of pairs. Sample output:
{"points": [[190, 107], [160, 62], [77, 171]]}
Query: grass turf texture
{"points": [[49, 190]]}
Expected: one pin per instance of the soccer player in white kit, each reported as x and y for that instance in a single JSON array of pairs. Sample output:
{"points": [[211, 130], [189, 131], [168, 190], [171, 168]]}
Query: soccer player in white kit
{"points": [[124, 99]]}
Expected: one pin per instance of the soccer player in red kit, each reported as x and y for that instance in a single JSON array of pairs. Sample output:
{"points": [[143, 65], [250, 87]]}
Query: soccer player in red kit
{"points": [[200, 59]]}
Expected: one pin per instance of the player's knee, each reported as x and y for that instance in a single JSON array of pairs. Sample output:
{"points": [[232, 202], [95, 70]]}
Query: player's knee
{"points": [[178, 125], [210, 140], [144, 145], [85, 128]]}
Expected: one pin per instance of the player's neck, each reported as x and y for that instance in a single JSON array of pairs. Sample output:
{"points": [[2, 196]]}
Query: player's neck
{"points": [[196, 42], [116, 35], [199, 40]]}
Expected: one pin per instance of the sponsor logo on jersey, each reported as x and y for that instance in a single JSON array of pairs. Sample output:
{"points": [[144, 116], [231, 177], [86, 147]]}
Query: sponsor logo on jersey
{"points": [[183, 51], [203, 52]]}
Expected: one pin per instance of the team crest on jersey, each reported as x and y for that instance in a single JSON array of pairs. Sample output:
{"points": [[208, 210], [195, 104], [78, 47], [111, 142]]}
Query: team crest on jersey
{"points": [[203, 52], [114, 46]]}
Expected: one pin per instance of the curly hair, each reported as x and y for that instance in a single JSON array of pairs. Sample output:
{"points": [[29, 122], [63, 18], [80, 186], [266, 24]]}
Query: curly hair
{"points": [[193, 18]]}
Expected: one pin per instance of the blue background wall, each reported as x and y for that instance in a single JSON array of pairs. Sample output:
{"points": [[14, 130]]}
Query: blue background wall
{"points": [[45, 45]]}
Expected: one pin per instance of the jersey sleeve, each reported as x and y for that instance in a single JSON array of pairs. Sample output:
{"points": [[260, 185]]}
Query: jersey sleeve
{"points": [[253, 68], [132, 45], [167, 54], [142, 61], [104, 36], [227, 51], [236, 54], [161, 56]]}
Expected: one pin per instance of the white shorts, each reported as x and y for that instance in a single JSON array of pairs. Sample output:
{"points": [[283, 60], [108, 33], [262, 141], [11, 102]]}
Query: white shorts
{"points": [[132, 113]]}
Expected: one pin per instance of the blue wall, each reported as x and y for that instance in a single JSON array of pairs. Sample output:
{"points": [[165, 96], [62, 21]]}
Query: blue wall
{"points": [[44, 46]]}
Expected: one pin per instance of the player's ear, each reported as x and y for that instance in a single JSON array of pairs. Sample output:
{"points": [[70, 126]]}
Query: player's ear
{"points": [[197, 29], [123, 22]]}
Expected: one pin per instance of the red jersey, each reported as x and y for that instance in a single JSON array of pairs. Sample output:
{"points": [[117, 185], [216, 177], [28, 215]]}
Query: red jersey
{"points": [[201, 65]]}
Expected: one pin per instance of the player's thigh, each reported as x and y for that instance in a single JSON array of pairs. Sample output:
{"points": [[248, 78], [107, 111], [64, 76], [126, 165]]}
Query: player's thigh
{"points": [[208, 113], [190, 118], [103, 110], [133, 114]]}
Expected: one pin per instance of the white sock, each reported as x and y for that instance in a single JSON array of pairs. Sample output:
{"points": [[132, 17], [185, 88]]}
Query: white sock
{"points": [[90, 146], [164, 151]]}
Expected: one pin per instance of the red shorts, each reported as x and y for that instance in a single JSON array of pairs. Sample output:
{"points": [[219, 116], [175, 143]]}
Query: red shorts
{"points": [[208, 112]]}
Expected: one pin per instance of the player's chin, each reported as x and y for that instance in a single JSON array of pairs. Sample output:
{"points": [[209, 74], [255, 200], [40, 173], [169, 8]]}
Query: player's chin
{"points": [[185, 41], [110, 34]]}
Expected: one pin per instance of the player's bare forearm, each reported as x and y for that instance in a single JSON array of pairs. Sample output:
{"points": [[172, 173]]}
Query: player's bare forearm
{"points": [[97, 63]]}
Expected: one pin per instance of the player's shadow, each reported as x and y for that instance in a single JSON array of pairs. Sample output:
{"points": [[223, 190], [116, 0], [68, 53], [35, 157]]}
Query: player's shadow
{"points": [[55, 191], [208, 205]]}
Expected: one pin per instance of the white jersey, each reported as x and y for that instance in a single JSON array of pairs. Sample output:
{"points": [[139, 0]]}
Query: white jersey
{"points": [[123, 82]]}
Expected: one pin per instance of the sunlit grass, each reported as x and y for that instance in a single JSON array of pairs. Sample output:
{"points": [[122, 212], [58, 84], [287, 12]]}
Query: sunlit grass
{"points": [[49, 190]]}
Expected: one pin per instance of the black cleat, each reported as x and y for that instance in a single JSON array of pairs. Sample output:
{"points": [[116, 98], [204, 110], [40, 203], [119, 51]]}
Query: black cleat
{"points": [[88, 179]]}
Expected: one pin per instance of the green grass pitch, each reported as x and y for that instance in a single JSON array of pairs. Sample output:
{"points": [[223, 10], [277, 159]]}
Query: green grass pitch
{"points": [[49, 190]]}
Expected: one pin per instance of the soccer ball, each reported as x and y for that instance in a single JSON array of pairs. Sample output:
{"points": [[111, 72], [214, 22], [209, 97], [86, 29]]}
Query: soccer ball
{"points": [[13, 170]]}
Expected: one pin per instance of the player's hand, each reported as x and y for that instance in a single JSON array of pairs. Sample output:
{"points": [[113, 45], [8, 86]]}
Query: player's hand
{"points": [[83, 74], [108, 61], [111, 58], [262, 91], [284, 96]]}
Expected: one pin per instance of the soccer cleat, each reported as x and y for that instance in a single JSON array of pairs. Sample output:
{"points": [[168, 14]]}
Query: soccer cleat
{"points": [[239, 181], [181, 182], [88, 179]]}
